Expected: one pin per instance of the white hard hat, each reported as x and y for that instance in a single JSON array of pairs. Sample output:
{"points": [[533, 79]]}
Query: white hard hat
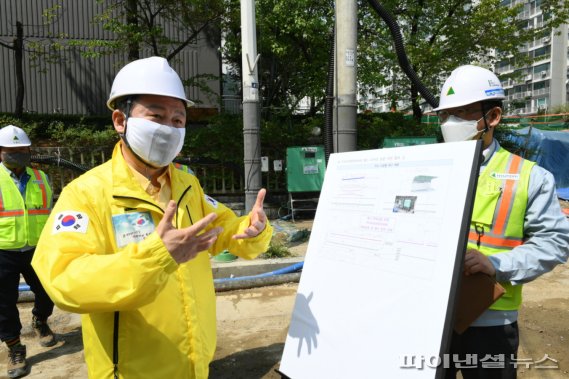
{"points": [[12, 136], [148, 76], [470, 84]]}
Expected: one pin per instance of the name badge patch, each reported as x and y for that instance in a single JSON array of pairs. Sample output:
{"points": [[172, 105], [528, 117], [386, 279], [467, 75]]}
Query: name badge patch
{"points": [[70, 221], [132, 227], [505, 176]]}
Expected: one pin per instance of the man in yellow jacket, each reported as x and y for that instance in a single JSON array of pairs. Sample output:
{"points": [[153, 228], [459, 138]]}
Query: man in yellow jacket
{"points": [[127, 243]]}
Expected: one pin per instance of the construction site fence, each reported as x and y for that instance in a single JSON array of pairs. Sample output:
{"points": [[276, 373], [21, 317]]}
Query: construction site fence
{"points": [[220, 179], [215, 178], [555, 121]]}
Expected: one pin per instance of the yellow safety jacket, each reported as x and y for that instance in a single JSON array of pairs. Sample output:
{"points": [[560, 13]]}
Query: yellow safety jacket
{"points": [[22, 220], [144, 316], [184, 167], [497, 223]]}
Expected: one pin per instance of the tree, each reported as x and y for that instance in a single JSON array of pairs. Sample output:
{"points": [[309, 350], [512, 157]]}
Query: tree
{"points": [[159, 27], [165, 27], [34, 47], [293, 39], [443, 34], [439, 35], [18, 47]]}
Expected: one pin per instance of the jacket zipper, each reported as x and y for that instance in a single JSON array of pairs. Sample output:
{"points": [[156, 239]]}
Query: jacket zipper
{"points": [[116, 346], [116, 319], [116, 315]]}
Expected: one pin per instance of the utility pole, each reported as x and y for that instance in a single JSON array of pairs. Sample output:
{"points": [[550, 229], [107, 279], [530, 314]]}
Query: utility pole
{"points": [[345, 134], [251, 129]]}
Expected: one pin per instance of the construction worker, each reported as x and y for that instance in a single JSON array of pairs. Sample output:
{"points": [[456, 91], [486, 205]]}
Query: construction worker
{"points": [[127, 243], [517, 230], [25, 203]]}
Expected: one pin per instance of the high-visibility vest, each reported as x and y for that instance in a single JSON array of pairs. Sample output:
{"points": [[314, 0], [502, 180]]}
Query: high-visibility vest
{"points": [[21, 223], [497, 223]]}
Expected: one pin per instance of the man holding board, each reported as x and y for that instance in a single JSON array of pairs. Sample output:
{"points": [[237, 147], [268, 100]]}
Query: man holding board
{"points": [[517, 230]]}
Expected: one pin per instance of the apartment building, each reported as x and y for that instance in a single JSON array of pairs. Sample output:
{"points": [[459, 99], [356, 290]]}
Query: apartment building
{"points": [[543, 85]]}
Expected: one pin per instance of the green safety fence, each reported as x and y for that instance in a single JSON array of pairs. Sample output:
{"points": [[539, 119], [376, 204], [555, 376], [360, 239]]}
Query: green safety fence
{"points": [[544, 122], [558, 121]]}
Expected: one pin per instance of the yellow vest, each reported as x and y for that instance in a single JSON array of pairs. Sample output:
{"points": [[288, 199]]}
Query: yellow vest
{"points": [[21, 223], [497, 223]]}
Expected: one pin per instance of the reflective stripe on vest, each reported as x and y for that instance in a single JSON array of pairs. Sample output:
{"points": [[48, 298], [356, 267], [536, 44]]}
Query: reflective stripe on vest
{"points": [[504, 207], [45, 209], [41, 184], [494, 242], [499, 213], [20, 226]]}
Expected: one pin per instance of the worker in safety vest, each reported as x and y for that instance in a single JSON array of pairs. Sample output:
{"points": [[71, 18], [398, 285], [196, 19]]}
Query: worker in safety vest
{"points": [[25, 203], [127, 243], [517, 230]]}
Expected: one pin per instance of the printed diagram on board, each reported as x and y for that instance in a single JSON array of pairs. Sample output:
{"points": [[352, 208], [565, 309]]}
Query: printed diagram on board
{"points": [[388, 214]]}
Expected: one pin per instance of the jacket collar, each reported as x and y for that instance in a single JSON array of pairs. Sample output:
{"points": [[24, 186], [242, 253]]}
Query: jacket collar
{"points": [[125, 184]]}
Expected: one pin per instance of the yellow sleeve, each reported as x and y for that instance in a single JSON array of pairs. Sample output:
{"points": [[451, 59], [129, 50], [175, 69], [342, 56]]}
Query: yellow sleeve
{"points": [[81, 270]]}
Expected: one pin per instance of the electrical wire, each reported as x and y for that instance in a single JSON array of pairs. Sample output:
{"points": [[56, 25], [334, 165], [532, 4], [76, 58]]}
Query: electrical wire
{"points": [[401, 55], [60, 162]]}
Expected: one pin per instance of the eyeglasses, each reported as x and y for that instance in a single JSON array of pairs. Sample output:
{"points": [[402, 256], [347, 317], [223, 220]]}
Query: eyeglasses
{"points": [[463, 113]]}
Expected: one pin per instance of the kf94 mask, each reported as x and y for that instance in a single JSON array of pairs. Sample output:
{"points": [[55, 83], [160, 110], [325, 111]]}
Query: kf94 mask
{"points": [[154, 143], [455, 129]]}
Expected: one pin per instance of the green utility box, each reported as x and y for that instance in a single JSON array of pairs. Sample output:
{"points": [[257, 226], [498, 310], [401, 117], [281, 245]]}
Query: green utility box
{"points": [[305, 168], [408, 141]]}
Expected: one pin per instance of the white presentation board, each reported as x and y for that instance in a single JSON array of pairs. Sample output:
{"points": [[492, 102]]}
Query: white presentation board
{"points": [[386, 249]]}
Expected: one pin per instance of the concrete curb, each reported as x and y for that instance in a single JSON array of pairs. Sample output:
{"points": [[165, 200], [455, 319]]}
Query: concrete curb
{"points": [[242, 267]]}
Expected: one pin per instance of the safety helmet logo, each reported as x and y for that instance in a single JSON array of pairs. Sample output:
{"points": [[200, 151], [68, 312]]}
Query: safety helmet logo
{"points": [[495, 92]]}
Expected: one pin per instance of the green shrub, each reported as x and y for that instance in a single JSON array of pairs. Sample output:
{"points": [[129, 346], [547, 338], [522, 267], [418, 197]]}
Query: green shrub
{"points": [[68, 130], [276, 249], [373, 128]]}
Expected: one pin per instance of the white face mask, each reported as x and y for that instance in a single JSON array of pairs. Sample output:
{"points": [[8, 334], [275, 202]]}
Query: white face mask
{"points": [[455, 129], [154, 143]]}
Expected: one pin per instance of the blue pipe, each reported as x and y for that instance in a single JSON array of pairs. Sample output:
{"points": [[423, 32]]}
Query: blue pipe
{"points": [[285, 270]]}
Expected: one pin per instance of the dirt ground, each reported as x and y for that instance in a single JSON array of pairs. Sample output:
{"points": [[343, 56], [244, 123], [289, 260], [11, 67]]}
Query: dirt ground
{"points": [[252, 327]]}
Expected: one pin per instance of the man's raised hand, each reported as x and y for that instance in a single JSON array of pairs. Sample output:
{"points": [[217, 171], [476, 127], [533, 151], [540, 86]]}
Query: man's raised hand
{"points": [[257, 216], [184, 244]]}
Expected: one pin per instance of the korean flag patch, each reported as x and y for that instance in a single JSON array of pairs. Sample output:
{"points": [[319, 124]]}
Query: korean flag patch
{"points": [[70, 221]]}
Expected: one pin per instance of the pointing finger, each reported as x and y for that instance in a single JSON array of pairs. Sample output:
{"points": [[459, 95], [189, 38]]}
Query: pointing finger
{"points": [[201, 224]]}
